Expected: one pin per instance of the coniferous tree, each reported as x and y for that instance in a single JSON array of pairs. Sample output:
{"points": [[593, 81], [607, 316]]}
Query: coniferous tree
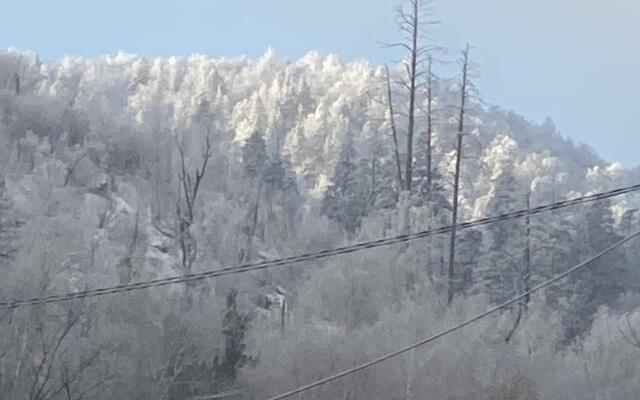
{"points": [[422, 172], [387, 192], [9, 226], [379, 170], [275, 173], [343, 201], [551, 239], [282, 190], [279, 176], [604, 280], [255, 161], [503, 263], [379, 187], [438, 215], [234, 330], [254, 156]]}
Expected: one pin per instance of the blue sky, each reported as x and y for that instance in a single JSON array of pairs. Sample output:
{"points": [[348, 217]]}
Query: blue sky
{"points": [[575, 60]]}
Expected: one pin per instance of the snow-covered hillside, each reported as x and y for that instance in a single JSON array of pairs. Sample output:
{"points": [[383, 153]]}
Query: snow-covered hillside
{"points": [[126, 168]]}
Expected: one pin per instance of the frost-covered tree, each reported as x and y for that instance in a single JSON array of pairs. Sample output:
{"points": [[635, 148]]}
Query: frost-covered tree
{"points": [[254, 156], [280, 176], [235, 326], [283, 195], [422, 173], [9, 226], [343, 200], [380, 185], [605, 280], [89, 151], [503, 264]]}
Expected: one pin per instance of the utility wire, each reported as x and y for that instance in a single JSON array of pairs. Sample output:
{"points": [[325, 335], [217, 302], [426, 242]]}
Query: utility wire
{"points": [[457, 327], [314, 255]]}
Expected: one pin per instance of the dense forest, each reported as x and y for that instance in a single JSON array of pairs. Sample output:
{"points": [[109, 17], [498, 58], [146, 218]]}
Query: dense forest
{"points": [[125, 169]]}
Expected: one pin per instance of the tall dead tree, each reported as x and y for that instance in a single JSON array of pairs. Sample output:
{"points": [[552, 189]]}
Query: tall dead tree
{"points": [[429, 133], [251, 231], [526, 273], [526, 276], [411, 24], [394, 131], [464, 93], [125, 264], [190, 182]]}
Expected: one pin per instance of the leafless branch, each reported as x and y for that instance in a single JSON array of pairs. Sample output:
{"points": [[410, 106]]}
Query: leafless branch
{"points": [[395, 45], [632, 337], [516, 323], [72, 168]]}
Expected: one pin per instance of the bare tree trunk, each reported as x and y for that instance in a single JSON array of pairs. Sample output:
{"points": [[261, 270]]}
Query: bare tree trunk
{"points": [[411, 366], [185, 206], [283, 314], [413, 66], [394, 132], [71, 169], [16, 83], [516, 324], [527, 253], [254, 223], [21, 357], [125, 265], [429, 157], [429, 127], [454, 223], [410, 26], [526, 273], [374, 178], [456, 183]]}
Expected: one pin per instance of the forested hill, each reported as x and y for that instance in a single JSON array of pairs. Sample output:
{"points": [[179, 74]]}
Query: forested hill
{"points": [[123, 169]]}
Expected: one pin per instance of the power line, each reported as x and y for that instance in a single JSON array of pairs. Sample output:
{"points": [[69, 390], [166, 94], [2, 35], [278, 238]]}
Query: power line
{"points": [[314, 255], [457, 327]]}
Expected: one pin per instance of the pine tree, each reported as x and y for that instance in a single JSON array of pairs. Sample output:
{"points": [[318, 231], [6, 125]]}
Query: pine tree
{"points": [[386, 193], [381, 177], [502, 267], [282, 187], [234, 330], [275, 174], [378, 184], [280, 176], [549, 235], [605, 279], [254, 156], [9, 226], [420, 185], [343, 200], [439, 212], [551, 239], [469, 248], [439, 198]]}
